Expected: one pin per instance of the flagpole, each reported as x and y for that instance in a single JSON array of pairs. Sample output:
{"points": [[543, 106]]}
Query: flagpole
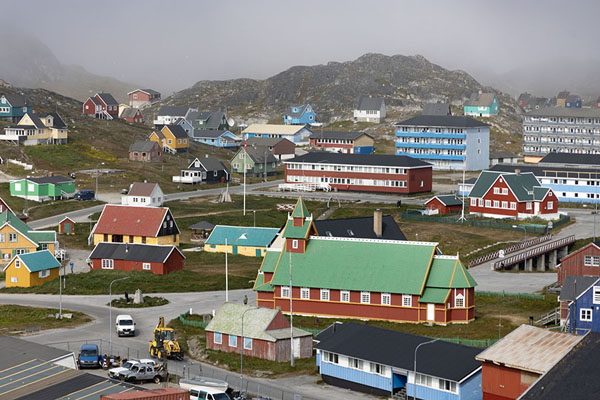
{"points": [[245, 155], [226, 274]]}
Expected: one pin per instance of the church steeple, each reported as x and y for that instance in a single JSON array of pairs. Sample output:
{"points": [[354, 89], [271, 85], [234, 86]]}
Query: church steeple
{"points": [[298, 228]]}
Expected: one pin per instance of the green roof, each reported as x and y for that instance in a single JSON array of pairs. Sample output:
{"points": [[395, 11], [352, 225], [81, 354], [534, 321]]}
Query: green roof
{"points": [[366, 265], [42, 236], [434, 295], [23, 228], [539, 193], [300, 210], [270, 261], [261, 286], [447, 272], [39, 261], [296, 232], [449, 200], [228, 320], [523, 185], [242, 236]]}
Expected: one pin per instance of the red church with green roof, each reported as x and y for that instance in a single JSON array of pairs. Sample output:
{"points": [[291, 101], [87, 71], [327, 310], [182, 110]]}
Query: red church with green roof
{"points": [[377, 279]]}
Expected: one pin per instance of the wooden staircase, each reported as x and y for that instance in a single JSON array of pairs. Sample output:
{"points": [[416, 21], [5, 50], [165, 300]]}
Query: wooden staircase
{"points": [[552, 316]]}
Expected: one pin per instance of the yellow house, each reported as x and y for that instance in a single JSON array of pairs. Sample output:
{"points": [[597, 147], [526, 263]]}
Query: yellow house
{"points": [[135, 224], [244, 240], [32, 269], [171, 138], [47, 128], [16, 238]]}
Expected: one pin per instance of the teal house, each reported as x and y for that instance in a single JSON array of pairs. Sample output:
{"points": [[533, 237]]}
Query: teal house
{"points": [[245, 240], [45, 188], [482, 105], [14, 106]]}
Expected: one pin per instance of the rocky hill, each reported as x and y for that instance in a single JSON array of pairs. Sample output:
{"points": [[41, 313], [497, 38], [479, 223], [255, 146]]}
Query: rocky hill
{"points": [[333, 89]]}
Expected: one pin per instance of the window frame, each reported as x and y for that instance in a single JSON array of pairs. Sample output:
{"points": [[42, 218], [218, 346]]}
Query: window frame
{"points": [[285, 292], [345, 293], [247, 340], [324, 295], [107, 263], [305, 293], [586, 314], [217, 335], [146, 266], [384, 297], [365, 297], [406, 300], [460, 297], [232, 339]]}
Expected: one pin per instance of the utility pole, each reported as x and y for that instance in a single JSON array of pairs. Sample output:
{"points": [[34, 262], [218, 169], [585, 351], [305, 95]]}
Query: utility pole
{"points": [[245, 155], [265, 164], [226, 274], [291, 318]]}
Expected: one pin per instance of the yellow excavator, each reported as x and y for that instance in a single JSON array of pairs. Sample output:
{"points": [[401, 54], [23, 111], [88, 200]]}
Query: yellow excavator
{"points": [[163, 345]]}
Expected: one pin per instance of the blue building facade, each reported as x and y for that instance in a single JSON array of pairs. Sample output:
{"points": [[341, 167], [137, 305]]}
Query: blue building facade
{"points": [[448, 142], [573, 101], [584, 311], [13, 107], [214, 138], [300, 115]]}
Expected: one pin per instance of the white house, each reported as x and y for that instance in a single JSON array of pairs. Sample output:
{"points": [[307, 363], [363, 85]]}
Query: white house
{"points": [[370, 109], [168, 115], [144, 194]]}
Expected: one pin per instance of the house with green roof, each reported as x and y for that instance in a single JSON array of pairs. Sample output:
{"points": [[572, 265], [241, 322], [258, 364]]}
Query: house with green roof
{"points": [[245, 240], [498, 194], [341, 277], [443, 204], [31, 269], [16, 237], [263, 333]]}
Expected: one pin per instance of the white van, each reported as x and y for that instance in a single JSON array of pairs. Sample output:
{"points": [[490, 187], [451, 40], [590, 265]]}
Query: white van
{"points": [[207, 393], [125, 325]]}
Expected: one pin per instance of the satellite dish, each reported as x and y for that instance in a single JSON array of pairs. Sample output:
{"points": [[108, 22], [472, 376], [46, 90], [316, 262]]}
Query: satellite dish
{"points": [[231, 122]]}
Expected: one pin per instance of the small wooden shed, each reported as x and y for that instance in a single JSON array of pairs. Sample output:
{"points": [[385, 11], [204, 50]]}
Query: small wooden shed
{"points": [[66, 226], [201, 230]]}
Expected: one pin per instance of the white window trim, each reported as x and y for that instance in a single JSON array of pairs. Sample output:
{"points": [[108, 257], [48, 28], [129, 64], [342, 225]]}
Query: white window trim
{"points": [[44, 274], [108, 263], [406, 300], [305, 293], [285, 291], [365, 295], [459, 297], [324, 295], [388, 297], [232, 338], [17, 263], [247, 340], [218, 335], [294, 243], [585, 311], [146, 266], [345, 293], [596, 295]]}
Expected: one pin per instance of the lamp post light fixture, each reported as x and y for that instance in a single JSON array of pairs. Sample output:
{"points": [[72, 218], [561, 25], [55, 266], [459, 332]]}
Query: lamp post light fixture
{"points": [[110, 311], [415, 366], [524, 243], [242, 351]]}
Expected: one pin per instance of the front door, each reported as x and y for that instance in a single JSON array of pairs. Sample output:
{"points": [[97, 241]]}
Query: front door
{"points": [[258, 253], [430, 312], [68, 228], [234, 249]]}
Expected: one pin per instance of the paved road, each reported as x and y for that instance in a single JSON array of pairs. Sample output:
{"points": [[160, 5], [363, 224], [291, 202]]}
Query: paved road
{"points": [[146, 319], [531, 282]]}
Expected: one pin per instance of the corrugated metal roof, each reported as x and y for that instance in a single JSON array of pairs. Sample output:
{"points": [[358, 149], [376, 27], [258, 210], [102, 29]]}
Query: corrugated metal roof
{"points": [[273, 129], [530, 349], [242, 236]]}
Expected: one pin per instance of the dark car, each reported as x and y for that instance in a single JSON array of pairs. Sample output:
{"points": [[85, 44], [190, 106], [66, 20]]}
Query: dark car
{"points": [[85, 195]]}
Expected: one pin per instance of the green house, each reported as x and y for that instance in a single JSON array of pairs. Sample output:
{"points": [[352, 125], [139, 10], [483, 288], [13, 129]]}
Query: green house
{"points": [[46, 188], [481, 105], [258, 159]]}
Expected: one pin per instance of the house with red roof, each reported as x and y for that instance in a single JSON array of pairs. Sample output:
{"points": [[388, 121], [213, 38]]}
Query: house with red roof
{"points": [[144, 194], [360, 278], [101, 106], [135, 224]]}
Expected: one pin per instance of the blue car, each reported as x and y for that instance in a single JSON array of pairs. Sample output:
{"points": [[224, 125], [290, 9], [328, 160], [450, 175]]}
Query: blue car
{"points": [[89, 356], [85, 195]]}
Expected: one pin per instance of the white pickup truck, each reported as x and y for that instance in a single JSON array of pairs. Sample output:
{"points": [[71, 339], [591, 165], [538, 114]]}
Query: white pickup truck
{"points": [[126, 366]]}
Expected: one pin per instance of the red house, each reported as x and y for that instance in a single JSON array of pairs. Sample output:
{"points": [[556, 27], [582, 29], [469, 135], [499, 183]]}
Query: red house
{"points": [[583, 262], [361, 172], [132, 115], [443, 204], [101, 106], [368, 279], [266, 333], [145, 150], [66, 226], [512, 195], [141, 98], [157, 259], [516, 361]]}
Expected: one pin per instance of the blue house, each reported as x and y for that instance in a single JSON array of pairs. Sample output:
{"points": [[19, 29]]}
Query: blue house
{"points": [[380, 361], [217, 138], [580, 295], [300, 115], [573, 101], [14, 106]]}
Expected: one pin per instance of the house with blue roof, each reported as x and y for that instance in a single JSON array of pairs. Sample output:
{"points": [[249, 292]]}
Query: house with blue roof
{"points": [[580, 295], [14, 106], [216, 138], [381, 362], [245, 240], [300, 115]]}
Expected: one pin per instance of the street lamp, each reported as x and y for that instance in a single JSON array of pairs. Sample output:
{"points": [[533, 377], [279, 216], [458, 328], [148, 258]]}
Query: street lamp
{"points": [[415, 366], [110, 311], [525, 243], [242, 350], [254, 211], [97, 173]]}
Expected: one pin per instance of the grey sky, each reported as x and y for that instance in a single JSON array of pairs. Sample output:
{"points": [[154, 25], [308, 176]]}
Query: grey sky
{"points": [[172, 44]]}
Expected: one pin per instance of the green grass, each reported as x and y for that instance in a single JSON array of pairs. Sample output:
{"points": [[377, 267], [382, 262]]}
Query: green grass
{"points": [[14, 318], [149, 301], [511, 312], [78, 240], [231, 361], [202, 272]]}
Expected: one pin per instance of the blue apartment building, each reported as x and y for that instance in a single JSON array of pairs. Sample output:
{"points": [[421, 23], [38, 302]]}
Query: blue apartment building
{"points": [[446, 141]]}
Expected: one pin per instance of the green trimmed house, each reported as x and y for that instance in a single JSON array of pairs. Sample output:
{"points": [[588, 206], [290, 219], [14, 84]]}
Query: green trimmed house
{"points": [[481, 105], [45, 188], [333, 277], [16, 237], [259, 158]]}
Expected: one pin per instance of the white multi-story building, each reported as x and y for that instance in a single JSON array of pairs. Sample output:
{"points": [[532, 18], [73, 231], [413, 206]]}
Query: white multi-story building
{"points": [[561, 130]]}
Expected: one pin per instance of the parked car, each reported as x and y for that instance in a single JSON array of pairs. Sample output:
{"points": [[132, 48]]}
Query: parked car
{"points": [[85, 195], [126, 366], [125, 325], [144, 372], [89, 356], [207, 393]]}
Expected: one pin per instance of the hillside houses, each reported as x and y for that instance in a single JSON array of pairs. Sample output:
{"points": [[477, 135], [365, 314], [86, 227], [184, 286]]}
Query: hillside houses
{"points": [[101, 106], [53, 187], [258, 161], [140, 98], [343, 142], [20, 238], [216, 138], [281, 148], [204, 170], [132, 115], [168, 115], [144, 194], [34, 129], [146, 151], [370, 109], [482, 105], [299, 115], [297, 134], [14, 106], [171, 138]]}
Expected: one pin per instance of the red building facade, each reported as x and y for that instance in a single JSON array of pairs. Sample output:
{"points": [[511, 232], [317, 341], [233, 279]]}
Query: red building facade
{"points": [[443, 205], [361, 172], [503, 195], [101, 106], [159, 260], [585, 261]]}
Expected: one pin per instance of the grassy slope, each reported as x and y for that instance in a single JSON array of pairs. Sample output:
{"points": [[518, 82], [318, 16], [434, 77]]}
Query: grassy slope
{"points": [[15, 318]]}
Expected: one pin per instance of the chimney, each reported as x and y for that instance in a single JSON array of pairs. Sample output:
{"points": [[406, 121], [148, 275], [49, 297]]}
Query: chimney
{"points": [[377, 222]]}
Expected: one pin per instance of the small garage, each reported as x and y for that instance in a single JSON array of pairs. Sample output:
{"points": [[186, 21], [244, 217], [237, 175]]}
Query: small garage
{"points": [[66, 226]]}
